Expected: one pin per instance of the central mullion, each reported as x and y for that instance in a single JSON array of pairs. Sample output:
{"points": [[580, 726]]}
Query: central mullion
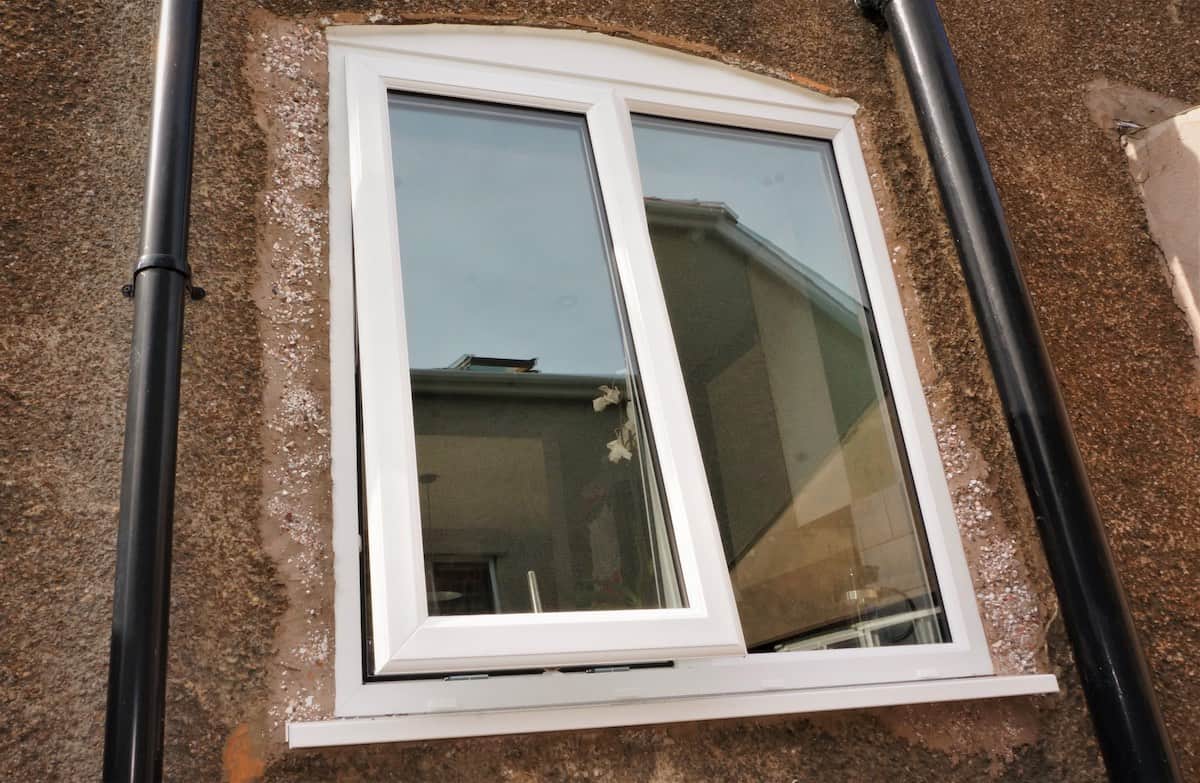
{"points": [[672, 591], [685, 486]]}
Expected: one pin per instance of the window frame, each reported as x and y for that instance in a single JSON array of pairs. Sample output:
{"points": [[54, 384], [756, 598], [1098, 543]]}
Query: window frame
{"points": [[507, 60]]}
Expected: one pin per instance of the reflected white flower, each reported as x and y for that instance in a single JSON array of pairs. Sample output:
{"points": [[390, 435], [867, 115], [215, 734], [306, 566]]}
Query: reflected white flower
{"points": [[617, 451], [609, 395]]}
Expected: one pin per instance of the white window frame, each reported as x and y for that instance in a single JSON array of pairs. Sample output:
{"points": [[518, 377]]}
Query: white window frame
{"points": [[608, 78]]}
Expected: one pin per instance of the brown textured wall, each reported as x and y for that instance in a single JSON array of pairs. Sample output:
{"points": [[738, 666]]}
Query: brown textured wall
{"points": [[74, 94]]}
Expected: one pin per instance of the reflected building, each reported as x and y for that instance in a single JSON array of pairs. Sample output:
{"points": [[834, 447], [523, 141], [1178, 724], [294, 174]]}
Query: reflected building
{"points": [[811, 494]]}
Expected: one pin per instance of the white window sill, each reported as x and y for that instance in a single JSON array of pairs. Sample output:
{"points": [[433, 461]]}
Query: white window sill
{"points": [[402, 728]]}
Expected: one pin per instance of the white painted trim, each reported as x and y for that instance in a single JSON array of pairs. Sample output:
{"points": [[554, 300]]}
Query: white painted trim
{"points": [[594, 73], [404, 728], [912, 410], [584, 56], [343, 445]]}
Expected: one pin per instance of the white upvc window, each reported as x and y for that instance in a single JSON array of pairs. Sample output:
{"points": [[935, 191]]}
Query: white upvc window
{"points": [[627, 427]]}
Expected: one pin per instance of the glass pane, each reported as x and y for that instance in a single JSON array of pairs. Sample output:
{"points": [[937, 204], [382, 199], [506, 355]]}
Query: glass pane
{"points": [[774, 333], [536, 489]]}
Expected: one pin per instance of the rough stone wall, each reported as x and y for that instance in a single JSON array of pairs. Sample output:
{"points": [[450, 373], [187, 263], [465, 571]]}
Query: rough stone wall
{"points": [[252, 501]]}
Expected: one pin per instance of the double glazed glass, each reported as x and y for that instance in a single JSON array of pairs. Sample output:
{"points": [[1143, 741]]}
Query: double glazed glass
{"points": [[538, 489], [796, 428]]}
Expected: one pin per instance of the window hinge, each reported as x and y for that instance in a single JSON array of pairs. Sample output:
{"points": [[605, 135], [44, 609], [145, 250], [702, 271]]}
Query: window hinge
{"points": [[457, 677]]}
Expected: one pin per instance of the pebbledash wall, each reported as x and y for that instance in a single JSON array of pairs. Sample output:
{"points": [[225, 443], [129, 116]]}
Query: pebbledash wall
{"points": [[251, 626]]}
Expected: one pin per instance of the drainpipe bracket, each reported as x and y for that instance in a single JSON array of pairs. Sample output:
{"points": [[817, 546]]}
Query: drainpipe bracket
{"points": [[162, 261]]}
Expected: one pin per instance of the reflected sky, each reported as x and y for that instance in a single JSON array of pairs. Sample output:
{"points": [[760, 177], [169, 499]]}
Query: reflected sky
{"points": [[502, 252], [502, 249], [781, 187]]}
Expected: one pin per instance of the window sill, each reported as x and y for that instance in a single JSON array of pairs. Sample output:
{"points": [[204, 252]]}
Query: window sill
{"points": [[402, 728]]}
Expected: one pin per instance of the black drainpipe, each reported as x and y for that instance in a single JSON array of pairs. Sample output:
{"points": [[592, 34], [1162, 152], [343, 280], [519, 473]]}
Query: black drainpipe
{"points": [[1116, 679], [133, 731]]}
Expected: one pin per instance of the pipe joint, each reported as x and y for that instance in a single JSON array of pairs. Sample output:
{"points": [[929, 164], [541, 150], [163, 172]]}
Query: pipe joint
{"points": [[162, 261]]}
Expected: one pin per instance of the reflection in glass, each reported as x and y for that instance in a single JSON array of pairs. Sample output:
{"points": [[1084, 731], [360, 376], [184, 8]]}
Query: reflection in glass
{"points": [[796, 429], [537, 490]]}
